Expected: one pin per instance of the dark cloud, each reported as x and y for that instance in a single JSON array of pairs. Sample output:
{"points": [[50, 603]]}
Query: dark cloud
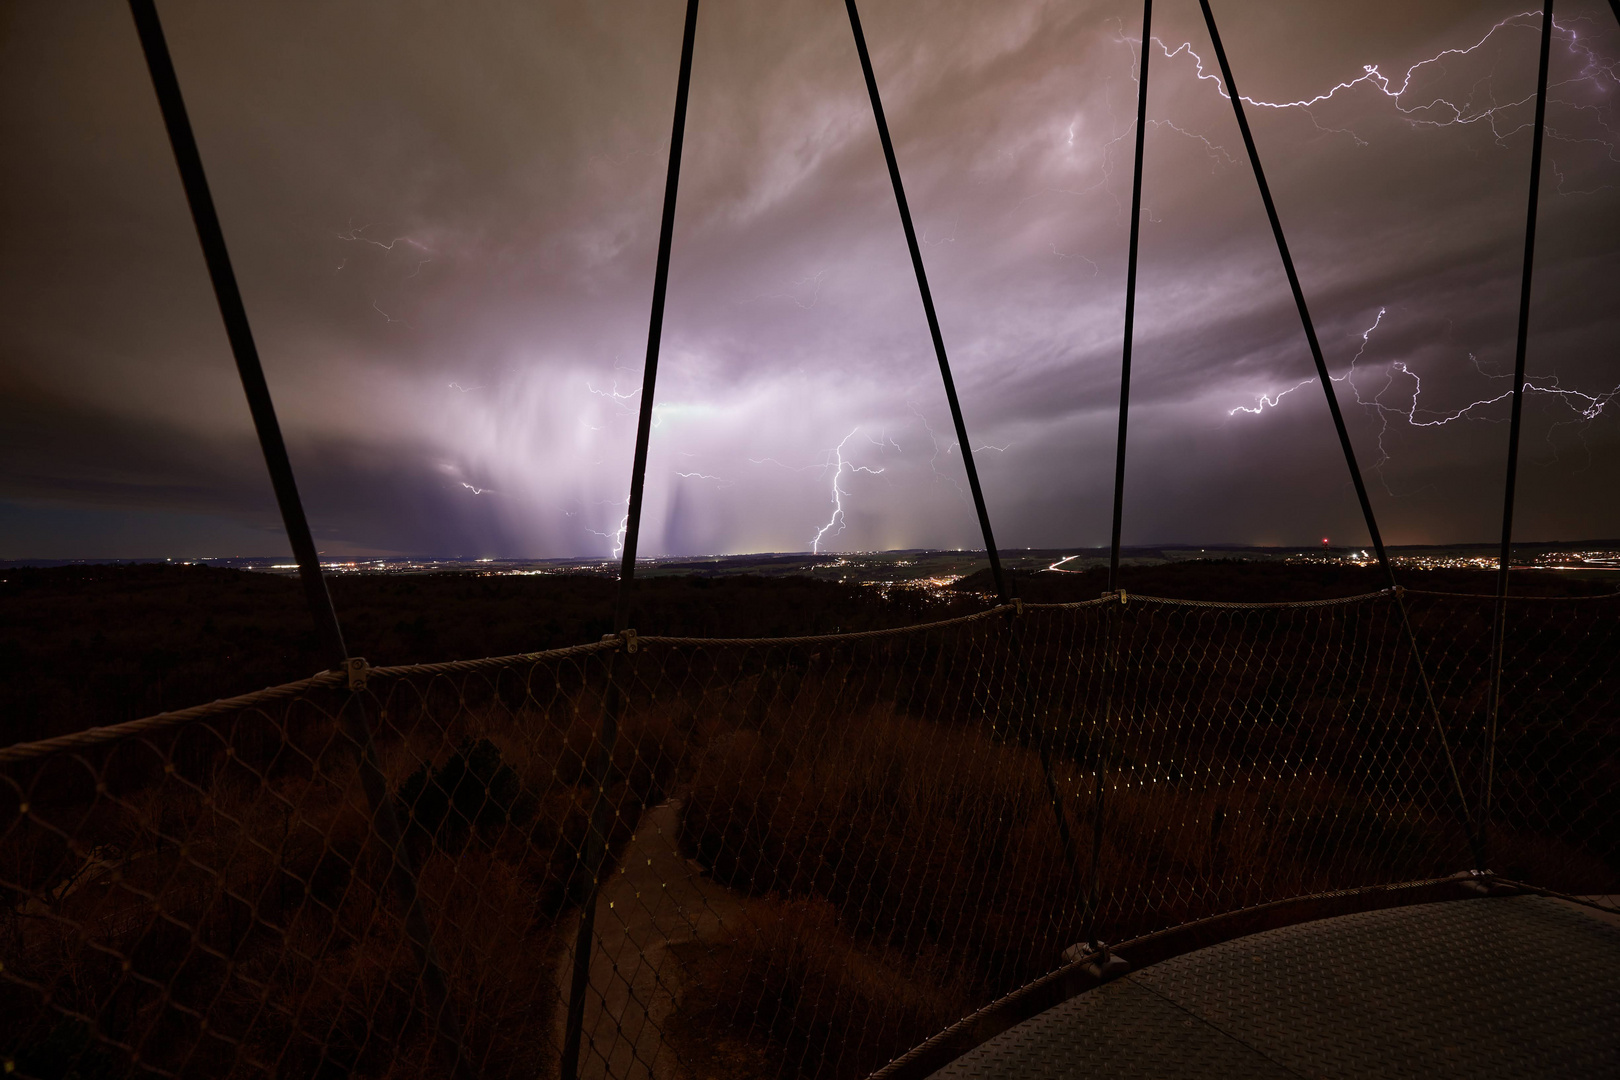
{"points": [[444, 220]]}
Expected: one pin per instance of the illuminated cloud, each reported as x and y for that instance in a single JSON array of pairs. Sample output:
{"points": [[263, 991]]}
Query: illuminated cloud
{"points": [[444, 220]]}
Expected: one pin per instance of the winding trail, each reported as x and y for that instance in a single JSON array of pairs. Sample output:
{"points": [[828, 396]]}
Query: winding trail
{"points": [[654, 899]]}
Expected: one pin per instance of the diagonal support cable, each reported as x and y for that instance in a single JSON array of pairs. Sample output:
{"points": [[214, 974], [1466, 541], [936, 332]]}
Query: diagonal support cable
{"points": [[655, 328], [1025, 698], [1002, 592], [1499, 620], [601, 763], [1130, 295], [234, 314], [402, 873], [1114, 650], [1396, 591]]}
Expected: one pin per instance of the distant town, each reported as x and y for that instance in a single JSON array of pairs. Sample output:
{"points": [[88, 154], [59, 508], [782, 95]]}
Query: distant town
{"points": [[931, 568]]}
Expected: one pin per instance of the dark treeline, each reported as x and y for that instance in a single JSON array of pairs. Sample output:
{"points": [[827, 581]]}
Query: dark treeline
{"points": [[88, 646], [1253, 581]]}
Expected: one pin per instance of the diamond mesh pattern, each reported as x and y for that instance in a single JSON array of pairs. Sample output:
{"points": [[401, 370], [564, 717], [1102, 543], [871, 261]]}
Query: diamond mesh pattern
{"points": [[814, 853]]}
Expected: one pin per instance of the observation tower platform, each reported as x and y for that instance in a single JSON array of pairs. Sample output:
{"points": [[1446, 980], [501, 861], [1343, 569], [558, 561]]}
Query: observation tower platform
{"points": [[1495, 986]]}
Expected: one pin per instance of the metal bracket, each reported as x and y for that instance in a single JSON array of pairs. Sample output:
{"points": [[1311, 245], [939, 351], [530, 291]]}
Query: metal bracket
{"points": [[1018, 606], [1108, 967], [1104, 965], [626, 636], [357, 670]]}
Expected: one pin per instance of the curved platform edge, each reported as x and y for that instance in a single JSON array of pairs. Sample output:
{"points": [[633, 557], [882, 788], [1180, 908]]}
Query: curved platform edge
{"points": [[1088, 973]]}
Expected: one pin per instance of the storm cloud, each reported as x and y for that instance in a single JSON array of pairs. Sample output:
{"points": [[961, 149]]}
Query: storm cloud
{"points": [[444, 219]]}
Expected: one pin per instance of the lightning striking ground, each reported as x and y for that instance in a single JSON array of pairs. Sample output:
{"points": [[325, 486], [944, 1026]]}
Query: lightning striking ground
{"points": [[835, 523]]}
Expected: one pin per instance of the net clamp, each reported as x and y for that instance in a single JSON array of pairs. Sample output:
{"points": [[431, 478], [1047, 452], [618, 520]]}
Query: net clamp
{"points": [[357, 670], [1018, 606], [627, 637], [1106, 964]]}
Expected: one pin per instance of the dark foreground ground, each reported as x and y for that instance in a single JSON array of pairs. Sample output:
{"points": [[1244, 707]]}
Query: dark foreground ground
{"points": [[871, 839], [88, 646]]}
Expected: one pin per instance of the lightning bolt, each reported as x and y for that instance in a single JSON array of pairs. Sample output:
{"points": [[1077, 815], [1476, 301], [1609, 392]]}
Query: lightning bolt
{"points": [[358, 235], [613, 394], [1074, 255], [1585, 407], [1438, 111], [389, 317], [1217, 153], [616, 537], [835, 523], [1263, 402], [933, 460]]}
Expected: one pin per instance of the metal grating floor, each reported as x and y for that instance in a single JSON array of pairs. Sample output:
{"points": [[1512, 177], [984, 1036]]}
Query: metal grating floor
{"points": [[1515, 986]]}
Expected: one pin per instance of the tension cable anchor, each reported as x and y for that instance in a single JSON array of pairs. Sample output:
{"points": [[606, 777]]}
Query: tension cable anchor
{"points": [[357, 671], [1100, 962], [1108, 965], [626, 636]]}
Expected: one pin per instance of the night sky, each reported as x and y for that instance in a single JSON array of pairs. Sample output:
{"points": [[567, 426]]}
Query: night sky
{"points": [[444, 218]]}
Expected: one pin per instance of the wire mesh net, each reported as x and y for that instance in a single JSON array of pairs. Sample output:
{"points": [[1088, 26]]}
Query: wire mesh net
{"points": [[799, 857]]}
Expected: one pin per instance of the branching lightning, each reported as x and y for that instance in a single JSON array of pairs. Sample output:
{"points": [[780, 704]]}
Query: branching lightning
{"points": [[390, 318], [358, 235], [613, 394], [616, 537], [1585, 407], [1217, 153], [933, 460], [1439, 111], [835, 523]]}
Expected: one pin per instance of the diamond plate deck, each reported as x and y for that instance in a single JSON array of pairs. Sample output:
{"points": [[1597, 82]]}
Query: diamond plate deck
{"points": [[1522, 986]]}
